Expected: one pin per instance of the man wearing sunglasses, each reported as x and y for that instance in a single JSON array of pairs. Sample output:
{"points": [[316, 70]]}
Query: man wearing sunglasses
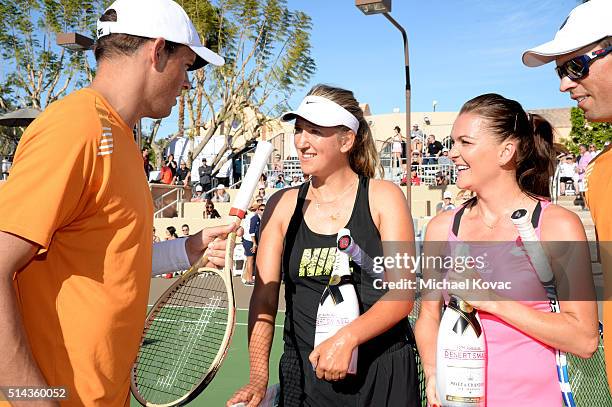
{"points": [[582, 51]]}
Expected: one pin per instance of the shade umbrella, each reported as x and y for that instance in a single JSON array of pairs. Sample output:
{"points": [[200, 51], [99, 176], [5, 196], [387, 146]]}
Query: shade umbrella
{"points": [[19, 118]]}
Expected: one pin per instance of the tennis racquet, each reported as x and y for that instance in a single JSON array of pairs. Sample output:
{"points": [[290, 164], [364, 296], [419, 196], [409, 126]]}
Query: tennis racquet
{"points": [[188, 331], [539, 260]]}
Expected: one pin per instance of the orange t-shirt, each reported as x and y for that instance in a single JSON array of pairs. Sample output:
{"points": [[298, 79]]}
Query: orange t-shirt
{"points": [[598, 177], [166, 175], [77, 189]]}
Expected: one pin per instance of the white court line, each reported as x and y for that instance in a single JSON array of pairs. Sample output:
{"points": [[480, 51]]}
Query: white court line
{"points": [[196, 331]]}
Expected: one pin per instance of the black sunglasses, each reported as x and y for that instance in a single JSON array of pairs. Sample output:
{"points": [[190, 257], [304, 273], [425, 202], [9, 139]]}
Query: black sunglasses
{"points": [[578, 68]]}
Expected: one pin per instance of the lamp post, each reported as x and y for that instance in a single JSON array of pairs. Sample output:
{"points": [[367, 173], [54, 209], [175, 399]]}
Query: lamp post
{"points": [[383, 7], [74, 41], [434, 104], [79, 43]]}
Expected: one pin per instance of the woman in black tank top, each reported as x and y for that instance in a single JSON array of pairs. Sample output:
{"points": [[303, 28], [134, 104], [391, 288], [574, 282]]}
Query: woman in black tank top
{"points": [[299, 229]]}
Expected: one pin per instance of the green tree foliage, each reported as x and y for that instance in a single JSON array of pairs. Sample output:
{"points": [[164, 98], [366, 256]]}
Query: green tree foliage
{"points": [[267, 51], [35, 70], [584, 132]]}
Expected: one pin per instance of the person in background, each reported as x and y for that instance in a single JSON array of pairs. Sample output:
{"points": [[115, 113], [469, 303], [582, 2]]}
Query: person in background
{"points": [[183, 175], [209, 211], [434, 147], [417, 134], [567, 173], [593, 150], [254, 233], [446, 204], [170, 163], [280, 181], [166, 176], [263, 182], [171, 233], [146, 163], [414, 178], [584, 159], [296, 180], [156, 238], [441, 179], [417, 147], [199, 194], [205, 173], [581, 51], [223, 175], [261, 193], [220, 194], [444, 159], [185, 230], [417, 158], [396, 148], [247, 244]]}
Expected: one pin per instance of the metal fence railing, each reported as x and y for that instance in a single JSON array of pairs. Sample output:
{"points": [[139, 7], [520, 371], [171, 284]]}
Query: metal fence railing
{"points": [[429, 174], [167, 203]]}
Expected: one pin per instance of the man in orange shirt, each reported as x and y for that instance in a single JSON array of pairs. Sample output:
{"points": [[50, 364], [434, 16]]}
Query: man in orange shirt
{"points": [[75, 251], [582, 50]]}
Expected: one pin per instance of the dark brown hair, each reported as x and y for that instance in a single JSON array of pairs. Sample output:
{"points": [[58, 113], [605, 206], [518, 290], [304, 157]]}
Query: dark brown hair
{"points": [[605, 42], [363, 157], [506, 119], [123, 44]]}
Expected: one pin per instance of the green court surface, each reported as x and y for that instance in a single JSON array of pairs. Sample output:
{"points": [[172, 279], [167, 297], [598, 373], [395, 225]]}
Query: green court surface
{"points": [[234, 372]]}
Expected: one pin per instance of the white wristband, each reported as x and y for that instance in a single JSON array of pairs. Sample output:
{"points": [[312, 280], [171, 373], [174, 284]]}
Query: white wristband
{"points": [[170, 256]]}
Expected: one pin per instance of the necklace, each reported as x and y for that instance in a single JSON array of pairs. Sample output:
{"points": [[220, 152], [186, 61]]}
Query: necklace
{"points": [[503, 215], [491, 227], [334, 216]]}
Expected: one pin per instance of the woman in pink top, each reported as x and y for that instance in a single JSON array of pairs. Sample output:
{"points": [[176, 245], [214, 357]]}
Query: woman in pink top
{"points": [[505, 157]]}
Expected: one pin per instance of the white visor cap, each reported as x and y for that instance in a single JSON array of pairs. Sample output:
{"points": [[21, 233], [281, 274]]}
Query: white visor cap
{"points": [[323, 112], [586, 24], [158, 19]]}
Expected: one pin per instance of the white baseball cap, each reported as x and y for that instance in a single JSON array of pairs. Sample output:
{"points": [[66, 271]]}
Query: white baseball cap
{"points": [[323, 112], [158, 19], [447, 194], [586, 24]]}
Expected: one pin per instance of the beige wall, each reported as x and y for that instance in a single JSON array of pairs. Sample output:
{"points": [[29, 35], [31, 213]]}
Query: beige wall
{"points": [[440, 124]]}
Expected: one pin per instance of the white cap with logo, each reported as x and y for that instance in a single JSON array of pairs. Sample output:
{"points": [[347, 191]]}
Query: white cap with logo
{"points": [[158, 19], [323, 112], [586, 24]]}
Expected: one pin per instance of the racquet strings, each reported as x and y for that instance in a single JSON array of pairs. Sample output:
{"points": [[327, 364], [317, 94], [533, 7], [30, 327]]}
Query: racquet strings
{"points": [[183, 339]]}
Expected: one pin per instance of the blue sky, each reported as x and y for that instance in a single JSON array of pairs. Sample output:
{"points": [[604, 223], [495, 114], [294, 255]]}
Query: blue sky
{"points": [[458, 49]]}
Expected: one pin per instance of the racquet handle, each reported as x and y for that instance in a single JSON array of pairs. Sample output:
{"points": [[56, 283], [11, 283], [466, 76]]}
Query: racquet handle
{"points": [[348, 245], [229, 251], [533, 247]]}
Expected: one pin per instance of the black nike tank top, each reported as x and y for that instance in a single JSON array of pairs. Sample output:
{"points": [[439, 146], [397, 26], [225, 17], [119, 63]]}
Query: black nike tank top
{"points": [[307, 262]]}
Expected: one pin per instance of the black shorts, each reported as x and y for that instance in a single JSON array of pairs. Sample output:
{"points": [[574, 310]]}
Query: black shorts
{"points": [[248, 245], [387, 379], [565, 179]]}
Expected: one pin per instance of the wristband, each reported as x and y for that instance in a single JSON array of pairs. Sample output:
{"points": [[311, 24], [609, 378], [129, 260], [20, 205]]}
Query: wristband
{"points": [[170, 256]]}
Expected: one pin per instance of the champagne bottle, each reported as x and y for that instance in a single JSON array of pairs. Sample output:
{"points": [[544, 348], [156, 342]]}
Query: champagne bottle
{"points": [[339, 305], [461, 354]]}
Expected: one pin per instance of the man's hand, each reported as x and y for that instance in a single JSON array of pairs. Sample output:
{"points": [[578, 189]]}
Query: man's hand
{"points": [[214, 241]]}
